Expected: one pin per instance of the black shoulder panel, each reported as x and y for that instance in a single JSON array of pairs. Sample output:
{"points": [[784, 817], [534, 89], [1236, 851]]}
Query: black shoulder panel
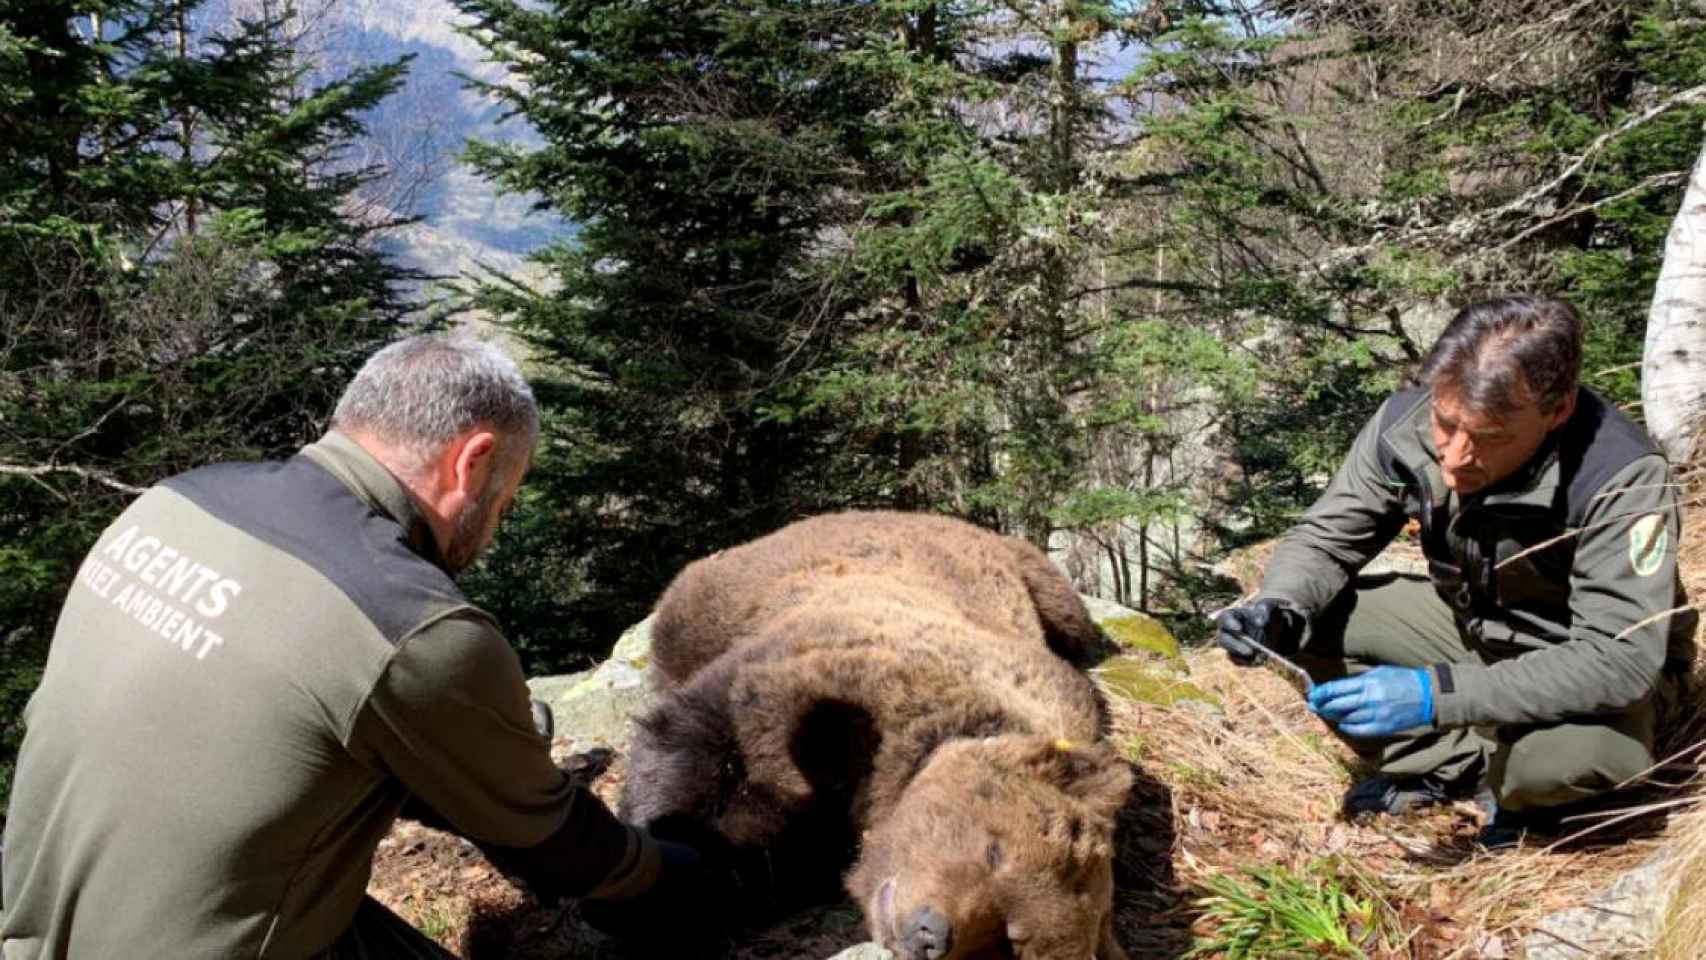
{"points": [[1597, 442], [301, 509]]}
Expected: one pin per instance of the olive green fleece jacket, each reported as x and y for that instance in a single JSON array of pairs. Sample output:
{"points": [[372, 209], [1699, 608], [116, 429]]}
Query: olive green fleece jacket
{"points": [[256, 667], [1562, 577]]}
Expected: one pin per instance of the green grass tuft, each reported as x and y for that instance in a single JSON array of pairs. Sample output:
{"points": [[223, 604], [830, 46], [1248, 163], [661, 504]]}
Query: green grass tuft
{"points": [[431, 920], [1276, 912]]}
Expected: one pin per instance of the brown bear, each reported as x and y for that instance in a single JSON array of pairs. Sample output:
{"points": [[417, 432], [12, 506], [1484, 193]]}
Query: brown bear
{"points": [[895, 692]]}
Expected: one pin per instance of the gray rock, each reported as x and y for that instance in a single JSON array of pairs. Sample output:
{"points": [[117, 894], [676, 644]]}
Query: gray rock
{"points": [[1101, 609], [1423, 322], [864, 951], [1623, 920], [1134, 632], [595, 706], [1402, 556]]}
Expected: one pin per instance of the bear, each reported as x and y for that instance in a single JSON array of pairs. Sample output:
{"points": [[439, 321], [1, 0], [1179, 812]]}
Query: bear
{"points": [[896, 701]]}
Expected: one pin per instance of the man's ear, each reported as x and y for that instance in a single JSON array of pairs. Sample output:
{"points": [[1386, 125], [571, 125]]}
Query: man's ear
{"points": [[474, 462], [1565, 411]]}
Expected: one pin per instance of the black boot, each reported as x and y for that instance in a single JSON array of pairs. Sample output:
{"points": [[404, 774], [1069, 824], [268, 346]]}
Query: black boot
{"points": [[1386, 793]]}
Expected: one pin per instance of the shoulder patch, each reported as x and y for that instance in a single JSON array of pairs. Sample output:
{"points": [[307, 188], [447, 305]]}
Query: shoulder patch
{"points": [[1648, 543]]}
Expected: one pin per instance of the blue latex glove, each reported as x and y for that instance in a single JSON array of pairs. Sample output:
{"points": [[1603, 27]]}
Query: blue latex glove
{"points": [[1379, 703]]}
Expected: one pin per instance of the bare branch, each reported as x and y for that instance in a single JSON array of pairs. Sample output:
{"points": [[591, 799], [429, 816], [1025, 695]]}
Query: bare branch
{"points": [[1693, 95], [41, 470], [1465, 228], [1653, 182], [1569, 534]]}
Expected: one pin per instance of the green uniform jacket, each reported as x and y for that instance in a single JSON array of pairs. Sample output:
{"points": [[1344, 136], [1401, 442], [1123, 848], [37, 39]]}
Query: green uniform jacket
{"points": [[257, 666], [1560, 576]]}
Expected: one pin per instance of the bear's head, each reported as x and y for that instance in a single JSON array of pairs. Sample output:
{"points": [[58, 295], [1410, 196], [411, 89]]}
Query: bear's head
{"points": [[1000, 847]]}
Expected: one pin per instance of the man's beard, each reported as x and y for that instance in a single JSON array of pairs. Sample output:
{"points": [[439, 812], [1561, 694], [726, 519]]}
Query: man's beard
{"points": [[469, 539]]}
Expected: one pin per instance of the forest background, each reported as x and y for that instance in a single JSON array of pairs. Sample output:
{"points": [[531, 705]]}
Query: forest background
{"points": [[1121, 278]]}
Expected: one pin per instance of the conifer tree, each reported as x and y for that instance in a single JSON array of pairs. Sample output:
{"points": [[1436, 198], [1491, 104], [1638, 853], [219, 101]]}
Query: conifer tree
{"points": [[181, 278], [829, 253], [705, 152]]}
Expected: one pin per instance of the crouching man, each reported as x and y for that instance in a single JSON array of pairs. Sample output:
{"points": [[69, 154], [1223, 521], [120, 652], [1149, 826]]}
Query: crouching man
{"points": [[260, 665], [1529, 662]]}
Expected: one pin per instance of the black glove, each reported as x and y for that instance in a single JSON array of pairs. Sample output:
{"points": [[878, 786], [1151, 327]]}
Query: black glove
{"points": [[677, 911], [1272, 622]]}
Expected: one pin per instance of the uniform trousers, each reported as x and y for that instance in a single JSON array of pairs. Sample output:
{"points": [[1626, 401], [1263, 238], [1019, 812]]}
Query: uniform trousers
{"points": [[379, 934], [1400, 620]]}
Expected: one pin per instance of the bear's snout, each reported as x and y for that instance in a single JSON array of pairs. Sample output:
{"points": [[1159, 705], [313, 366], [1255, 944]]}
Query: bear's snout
{"points": [[926, 935]]}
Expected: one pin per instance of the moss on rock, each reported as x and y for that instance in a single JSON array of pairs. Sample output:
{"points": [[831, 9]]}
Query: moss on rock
{"points": [[1139, 681], [1140, 633], [1150, 667]]}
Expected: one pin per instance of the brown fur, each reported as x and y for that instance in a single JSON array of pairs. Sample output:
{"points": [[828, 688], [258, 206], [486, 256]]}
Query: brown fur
{"points": [[890, 690]]}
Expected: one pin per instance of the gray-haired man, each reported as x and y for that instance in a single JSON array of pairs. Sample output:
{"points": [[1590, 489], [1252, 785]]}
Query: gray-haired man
{"points": [[260, 665], [1531, 662]]}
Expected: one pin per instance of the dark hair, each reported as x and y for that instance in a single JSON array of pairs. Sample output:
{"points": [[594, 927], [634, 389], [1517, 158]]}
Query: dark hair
{"points": [[1501, 354]]}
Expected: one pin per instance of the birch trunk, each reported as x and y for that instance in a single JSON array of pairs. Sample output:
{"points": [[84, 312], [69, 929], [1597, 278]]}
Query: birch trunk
{"points": [[1673, 364]]}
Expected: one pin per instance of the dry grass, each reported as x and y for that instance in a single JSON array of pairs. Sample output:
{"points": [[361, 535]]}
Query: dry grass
{"points": [[1685, 917], [1258, 786]]}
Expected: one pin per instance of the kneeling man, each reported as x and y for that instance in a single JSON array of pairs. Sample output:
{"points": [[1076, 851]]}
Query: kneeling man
{"points": [[1529, 660]]}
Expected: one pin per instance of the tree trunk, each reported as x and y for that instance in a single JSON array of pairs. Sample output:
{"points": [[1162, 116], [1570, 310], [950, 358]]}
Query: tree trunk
{"points": [[1124, 574], [186, 120], [1143, 567], [1673, 364], [1114, 573]]}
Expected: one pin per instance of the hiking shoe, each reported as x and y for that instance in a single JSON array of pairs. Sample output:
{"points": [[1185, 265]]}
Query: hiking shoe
{"points": [[1507, 828], [1384, 793]]}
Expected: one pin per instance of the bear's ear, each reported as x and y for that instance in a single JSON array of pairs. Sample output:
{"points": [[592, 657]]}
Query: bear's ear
{"points": [[1090, 773]]}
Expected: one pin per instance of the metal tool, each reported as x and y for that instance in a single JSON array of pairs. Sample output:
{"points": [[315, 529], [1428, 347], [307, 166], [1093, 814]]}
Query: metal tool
{"points": [[1265, 650], [1277, 659]]}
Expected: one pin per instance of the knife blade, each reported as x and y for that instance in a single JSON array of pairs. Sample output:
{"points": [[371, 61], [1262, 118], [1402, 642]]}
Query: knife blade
{"points": [[1280, 660], [1267, 651]]}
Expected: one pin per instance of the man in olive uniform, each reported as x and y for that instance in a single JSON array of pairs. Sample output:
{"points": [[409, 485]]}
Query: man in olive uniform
{"points": [[259, 665], [1528, 662]]}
